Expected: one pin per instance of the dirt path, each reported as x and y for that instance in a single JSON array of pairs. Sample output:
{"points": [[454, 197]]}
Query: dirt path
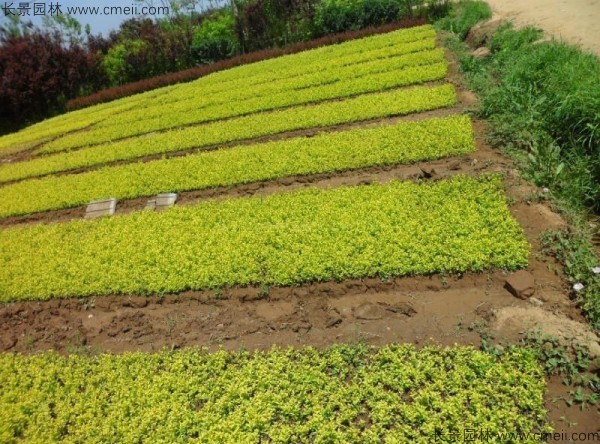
{"points": [[576, 21]]}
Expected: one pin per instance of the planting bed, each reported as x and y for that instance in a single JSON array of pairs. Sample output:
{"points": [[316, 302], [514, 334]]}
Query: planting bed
{"points": [[325, 153], [395, 393], [364, 107], [399, 228]]}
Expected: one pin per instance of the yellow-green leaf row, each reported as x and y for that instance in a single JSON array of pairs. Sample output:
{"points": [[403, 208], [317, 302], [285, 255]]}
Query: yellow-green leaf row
{"points": [[396, 102], [403, 142], [417, 38], [286, 77], [355, 51], [73, 121], [297, 72], [399, 228], [357, 79], [345, 394]]}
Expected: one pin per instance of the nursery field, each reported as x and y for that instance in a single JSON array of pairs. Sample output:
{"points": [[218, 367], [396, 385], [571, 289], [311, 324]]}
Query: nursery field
{"points": [[336, 209]]}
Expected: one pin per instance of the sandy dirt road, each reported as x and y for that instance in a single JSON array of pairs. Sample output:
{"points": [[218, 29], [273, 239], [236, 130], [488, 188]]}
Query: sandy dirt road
{"points": [[576, 21]]}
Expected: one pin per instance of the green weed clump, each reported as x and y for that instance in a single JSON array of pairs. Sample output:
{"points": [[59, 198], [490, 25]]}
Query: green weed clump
{"points": [[543, 104], [542, 98], [574, 249], [350, 394], [548, 103]]}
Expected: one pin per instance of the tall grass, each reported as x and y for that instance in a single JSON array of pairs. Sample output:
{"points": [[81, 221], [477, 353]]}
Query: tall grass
{"points": [[546, 100]]}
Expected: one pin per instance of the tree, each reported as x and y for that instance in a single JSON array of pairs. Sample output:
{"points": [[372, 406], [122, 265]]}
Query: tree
{"points": [[38, 74]]}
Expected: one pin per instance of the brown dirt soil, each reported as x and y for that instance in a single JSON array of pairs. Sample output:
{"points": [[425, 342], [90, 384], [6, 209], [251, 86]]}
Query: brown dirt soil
{"points": [[575, 21], [437, 309]]}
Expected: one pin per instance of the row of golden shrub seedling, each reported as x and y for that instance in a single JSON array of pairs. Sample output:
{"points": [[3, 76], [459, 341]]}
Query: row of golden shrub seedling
{"points": [[400, 228], [186, 97], [296, 62], [343, 394], [34, 135], [329, 57], [390, 77], [67, 123], [192, 101], [403, 142], [72, 121], [290, 74], [365, 107]]}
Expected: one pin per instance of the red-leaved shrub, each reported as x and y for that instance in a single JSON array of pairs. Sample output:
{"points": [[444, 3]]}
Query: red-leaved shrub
{"points": [[38, 74]]}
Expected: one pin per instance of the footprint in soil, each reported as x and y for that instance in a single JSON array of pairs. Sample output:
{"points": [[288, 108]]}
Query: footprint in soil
{"points": [[374, 311]]}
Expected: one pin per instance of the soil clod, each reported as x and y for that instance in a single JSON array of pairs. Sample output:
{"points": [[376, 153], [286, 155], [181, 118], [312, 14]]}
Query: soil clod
{"points": [[521, 284]]}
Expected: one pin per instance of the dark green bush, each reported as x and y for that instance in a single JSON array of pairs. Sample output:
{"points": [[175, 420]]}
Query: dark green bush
{"points": [[262, 24], [332, 16]]}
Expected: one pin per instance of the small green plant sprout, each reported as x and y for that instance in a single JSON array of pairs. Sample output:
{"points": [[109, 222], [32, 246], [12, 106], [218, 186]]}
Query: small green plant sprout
{"points": [[459, 325], [171, 324], [88, 304], [578, 396], [478, 326], [546, 165], [264, 291], [569, 423], [29, 341]]}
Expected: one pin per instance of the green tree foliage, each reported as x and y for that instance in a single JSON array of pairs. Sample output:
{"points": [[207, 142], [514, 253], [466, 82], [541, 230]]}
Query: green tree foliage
{"points": [[214, 39], [116, 64], [332, 16]]}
